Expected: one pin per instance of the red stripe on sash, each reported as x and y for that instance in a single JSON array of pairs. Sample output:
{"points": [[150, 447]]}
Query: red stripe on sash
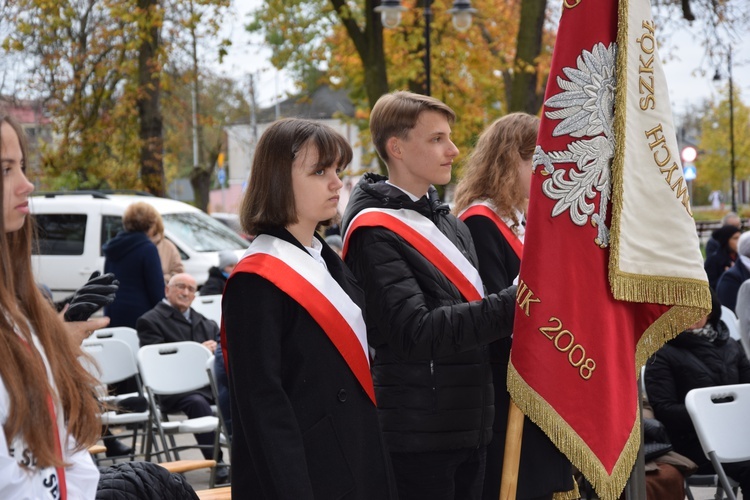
{"points": [[483, 210], [421, 244], [318, 306]]}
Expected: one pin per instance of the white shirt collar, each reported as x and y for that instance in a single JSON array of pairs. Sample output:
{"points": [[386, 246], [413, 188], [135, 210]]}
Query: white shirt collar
{"points": [[407, 193], [315, 250]]}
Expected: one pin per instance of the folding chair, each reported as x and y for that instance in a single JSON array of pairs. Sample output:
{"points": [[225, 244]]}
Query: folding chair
{"points": [[176, 368], [743, 313], [719, 415], [113, 362], [209, 306], [124, 333], [733, 323]]}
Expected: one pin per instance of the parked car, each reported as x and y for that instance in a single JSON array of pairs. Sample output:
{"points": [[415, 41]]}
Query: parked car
{"points": [[74, 225], [232, 221]]}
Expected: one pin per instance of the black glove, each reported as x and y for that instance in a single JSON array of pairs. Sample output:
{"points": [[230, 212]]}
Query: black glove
{"points": [[98, 291]]}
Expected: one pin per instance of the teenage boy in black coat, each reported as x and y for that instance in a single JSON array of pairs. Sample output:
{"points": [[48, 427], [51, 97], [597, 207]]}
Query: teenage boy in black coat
{"points": [[431, 366]]}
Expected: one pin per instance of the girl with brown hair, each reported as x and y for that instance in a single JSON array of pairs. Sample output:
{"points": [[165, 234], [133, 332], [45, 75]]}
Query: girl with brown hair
{"points": [[492, 198], [48, 407], [304, 420]]}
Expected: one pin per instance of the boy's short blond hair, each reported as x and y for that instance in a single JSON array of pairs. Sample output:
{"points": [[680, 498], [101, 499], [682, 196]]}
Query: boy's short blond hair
{"points": [[395, 114]]}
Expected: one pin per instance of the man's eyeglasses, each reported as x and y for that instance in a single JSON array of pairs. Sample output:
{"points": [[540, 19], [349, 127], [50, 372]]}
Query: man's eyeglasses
{"points": [[183, 286]]}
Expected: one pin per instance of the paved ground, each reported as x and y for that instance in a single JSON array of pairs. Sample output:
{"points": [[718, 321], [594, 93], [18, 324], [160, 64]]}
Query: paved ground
{"points": [[199, 479]]}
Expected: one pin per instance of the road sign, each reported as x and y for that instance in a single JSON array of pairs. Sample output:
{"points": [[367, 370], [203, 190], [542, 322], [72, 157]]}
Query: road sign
{"points": [[221, 175], [689, 171]]}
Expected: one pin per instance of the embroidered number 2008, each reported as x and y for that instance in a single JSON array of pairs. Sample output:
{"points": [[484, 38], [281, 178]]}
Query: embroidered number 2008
{"points": [[565, 342]]}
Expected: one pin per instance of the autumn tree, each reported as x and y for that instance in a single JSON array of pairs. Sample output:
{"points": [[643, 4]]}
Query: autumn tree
{"points": [[717, 23], [347, 37], [193, 23], [713, 162], [97, 65], [149, 19], [222, 100], [469, 70], [85, 55], [526, 86], [297, 31]]}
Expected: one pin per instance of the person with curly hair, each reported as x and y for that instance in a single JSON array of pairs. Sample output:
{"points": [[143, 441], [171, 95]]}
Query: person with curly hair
{"points": [[491, 198]]}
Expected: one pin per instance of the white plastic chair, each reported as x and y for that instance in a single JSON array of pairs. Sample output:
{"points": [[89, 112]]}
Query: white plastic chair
{"points": [[114, 362], [124, 333], [743, 313], [175, 368], [733, 324], [719, 415], [209, 306]]}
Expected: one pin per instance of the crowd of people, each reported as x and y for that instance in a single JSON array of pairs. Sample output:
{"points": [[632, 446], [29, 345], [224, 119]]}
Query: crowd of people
{"points": [[368, 364]]}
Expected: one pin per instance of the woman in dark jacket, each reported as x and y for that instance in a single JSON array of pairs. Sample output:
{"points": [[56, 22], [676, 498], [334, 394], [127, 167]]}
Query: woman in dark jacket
{"points": [[725, 255], [491, 199], [134, 260], [304, 420], [702, 356]]}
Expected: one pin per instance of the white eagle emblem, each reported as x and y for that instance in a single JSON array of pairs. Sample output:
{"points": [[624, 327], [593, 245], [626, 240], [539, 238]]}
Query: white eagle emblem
{"points": [[586, 108]]}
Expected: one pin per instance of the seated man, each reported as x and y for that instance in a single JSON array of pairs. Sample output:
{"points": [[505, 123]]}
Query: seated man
{"points": [[173, 320]]}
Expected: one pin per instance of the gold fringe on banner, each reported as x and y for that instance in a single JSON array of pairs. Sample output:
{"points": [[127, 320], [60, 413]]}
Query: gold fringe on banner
{"points": [[607, 486], [656, 289]]}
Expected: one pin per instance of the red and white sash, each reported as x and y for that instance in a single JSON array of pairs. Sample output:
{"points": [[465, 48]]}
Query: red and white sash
{"points": [[295, 273], [426, 238], [484, 209]]}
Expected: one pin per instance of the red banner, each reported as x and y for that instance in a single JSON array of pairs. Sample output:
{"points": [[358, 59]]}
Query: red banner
{"points": [[577, 349]]}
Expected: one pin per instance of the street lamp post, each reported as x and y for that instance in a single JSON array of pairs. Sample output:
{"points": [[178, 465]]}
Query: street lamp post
{"points": [[731, 128], [427, 58], [390, 12]]}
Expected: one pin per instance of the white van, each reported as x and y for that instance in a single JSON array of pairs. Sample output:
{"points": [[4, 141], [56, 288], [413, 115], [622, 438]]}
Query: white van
{"points": [[74, 225]]}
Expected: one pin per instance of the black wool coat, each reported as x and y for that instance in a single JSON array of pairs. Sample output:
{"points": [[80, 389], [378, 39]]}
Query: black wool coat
{"points": [[303, 427], [431, 366], [543, 469]]}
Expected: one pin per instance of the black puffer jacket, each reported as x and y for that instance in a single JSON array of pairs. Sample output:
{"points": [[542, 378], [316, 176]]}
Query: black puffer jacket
{"points": [[142, 481], [431, 369], [685, 363]]}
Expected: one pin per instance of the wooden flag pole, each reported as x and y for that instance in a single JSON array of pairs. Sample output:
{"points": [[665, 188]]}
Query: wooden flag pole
{"points": [[512, 456]]}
